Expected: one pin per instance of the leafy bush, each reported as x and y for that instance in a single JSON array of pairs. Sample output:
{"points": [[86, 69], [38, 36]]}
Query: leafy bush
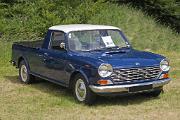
{"points": [[171, 6], [165, 11], [23, 20], [35, 17]]}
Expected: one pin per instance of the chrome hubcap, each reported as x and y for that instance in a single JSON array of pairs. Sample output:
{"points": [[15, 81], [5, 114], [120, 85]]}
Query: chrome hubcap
{"points": [[80, 90], [24, 73]]}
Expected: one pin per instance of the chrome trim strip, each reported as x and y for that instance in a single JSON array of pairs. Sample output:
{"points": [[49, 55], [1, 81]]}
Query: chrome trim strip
{"points": [[125, 88]]}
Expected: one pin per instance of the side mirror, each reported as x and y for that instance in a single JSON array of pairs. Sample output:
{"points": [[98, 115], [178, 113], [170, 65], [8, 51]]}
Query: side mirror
{"points": [[62, 45]]}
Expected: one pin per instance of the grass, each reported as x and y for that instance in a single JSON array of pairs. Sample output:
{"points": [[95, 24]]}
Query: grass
{"points": [[44, 100]]}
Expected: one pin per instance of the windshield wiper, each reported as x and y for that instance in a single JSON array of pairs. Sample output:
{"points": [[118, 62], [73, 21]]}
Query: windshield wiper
{"points": [[92, 50], [117, 51], [113, 49]]}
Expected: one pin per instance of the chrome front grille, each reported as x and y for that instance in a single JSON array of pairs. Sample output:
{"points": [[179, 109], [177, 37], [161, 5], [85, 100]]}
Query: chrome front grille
{"points": [[128, 74]]}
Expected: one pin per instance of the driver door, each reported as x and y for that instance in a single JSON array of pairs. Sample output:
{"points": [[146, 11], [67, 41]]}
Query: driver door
{"points": [[55, 58]]}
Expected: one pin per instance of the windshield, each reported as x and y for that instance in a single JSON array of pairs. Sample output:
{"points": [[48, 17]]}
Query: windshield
{"points": [[96, 40]]}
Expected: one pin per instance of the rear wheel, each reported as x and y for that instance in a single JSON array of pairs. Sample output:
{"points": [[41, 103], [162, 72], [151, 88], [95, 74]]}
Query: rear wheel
{"points": [[81, 91], [24, 75]]}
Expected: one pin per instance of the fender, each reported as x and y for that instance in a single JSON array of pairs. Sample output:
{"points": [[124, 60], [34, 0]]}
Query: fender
{"points": [[25, 60], [76, 71], [84, 75]]}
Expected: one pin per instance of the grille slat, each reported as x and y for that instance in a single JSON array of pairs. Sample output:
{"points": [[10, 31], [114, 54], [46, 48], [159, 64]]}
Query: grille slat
{"points": [[128, 74]]}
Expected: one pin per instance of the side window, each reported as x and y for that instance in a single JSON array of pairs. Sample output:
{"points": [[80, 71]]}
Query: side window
{"points": [[57, 38]]}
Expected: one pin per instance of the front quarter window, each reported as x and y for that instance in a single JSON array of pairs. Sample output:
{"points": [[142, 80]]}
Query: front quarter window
{"points": [[95, 40]]}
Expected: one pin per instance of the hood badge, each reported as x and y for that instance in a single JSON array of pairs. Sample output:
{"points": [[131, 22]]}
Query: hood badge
{"points": [[137, 63]]}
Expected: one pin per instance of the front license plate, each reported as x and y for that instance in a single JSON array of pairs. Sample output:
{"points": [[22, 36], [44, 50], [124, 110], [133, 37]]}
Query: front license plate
{"points": [[140, 88]]}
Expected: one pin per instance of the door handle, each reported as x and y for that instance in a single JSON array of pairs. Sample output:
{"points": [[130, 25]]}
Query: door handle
{"points": [[46, 54], [40, 55], [47, 57]]}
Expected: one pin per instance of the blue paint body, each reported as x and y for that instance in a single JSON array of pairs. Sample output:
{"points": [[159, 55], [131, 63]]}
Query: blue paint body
{"points": [[60, 66]]}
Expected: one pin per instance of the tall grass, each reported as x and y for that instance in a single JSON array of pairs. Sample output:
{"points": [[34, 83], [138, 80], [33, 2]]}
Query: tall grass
{"points": [[142, 30], [26, 20]]}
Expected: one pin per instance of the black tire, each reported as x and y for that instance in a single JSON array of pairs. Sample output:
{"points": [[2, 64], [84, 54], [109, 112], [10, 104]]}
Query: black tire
{"points": [[29, 78], [154, 93], [89, 96]]}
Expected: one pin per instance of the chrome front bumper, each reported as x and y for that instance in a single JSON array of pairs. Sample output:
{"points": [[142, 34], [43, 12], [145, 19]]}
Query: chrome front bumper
{"points": [[125, 88]]}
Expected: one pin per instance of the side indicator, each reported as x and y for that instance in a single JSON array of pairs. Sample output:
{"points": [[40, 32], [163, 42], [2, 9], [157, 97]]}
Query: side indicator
{"points": [[104, 82], [166, 75]]}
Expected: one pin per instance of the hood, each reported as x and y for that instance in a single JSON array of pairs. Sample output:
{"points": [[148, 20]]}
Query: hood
{"points": [[127, 59]]}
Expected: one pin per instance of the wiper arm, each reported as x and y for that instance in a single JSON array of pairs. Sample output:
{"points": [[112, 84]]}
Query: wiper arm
{"points": [[117, 51], [93, 50], [106, 48], [115, 47]]}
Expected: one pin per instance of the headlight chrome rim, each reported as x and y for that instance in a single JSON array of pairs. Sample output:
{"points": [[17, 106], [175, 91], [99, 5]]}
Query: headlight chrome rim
{"points": [[105, 70], [164, 65]]}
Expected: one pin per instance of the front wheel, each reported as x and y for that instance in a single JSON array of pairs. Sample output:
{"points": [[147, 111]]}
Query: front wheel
{"points": [[82, 92]]}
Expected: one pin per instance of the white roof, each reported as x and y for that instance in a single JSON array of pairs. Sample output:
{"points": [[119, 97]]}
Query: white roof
{"points": [[80, 27]]}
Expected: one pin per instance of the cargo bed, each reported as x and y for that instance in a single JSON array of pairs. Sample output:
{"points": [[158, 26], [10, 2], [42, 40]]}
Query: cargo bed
{"points": [[31, 44]]}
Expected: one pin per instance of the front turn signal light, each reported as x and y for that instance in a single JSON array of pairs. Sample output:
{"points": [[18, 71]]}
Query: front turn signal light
{"points": [[104, 82], [164, 76]]}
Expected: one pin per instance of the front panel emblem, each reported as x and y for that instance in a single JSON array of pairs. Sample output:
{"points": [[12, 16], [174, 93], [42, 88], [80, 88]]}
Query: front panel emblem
{"points": [[137, 63]]}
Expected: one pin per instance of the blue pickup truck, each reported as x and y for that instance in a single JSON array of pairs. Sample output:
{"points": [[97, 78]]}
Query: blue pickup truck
{"points": [[91, 60]]}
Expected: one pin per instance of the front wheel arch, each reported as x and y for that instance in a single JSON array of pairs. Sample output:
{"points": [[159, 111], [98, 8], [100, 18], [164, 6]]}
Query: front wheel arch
{"points": [[71, 80]]}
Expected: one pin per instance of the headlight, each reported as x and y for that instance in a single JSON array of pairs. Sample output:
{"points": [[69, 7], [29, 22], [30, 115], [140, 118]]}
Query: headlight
{"points": [[105, 70], [164, 65]]}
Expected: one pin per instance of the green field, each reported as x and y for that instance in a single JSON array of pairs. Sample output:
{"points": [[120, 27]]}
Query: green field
{"points": [[44, 100]]}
